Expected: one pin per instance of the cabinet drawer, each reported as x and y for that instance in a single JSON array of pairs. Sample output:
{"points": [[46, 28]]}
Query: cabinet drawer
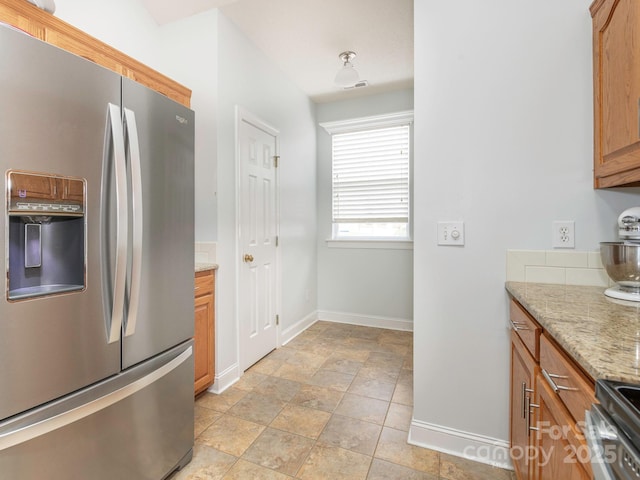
{"points": [[570, 385], [527, 329], [204, 283]]}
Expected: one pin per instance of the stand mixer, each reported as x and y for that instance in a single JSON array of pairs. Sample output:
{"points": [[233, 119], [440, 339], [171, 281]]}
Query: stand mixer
{"points": [[622, 259]]}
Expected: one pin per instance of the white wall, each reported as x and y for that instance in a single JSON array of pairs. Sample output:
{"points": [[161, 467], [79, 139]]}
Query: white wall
{"points": [[362, 283], [503, 141], [122, 24], [248, 79]]}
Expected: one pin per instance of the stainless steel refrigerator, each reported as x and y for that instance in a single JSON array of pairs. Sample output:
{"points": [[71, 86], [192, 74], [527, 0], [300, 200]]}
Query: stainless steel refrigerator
{"points": [[96, 319]]}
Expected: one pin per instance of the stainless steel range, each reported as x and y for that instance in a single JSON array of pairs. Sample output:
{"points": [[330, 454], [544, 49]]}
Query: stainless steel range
{"points": [[613, 431]]}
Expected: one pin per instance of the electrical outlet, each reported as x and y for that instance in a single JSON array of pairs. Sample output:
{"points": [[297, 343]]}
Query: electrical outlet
{"points": [[563, 234]]}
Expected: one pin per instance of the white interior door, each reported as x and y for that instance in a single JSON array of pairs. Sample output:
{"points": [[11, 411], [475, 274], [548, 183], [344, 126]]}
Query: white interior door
{"points": [[258, 229]]}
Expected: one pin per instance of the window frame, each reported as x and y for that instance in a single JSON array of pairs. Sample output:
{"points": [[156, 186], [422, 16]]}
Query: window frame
{"points": [[403, 118]]}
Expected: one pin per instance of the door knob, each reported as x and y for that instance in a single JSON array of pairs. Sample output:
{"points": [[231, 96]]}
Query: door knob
{"points": [[248, 258]]}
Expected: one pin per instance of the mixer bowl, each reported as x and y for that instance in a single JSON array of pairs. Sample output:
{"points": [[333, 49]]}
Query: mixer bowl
{"points": [[622, 262]]}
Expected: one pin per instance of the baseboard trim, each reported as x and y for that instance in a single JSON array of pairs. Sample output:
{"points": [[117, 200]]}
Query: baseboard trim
{"points": [[367, 320], [225, 379], [487, 450], [297, 328]]}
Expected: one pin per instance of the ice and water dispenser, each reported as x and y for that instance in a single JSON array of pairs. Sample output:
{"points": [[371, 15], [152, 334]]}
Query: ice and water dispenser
{"points": [[46, 234]]}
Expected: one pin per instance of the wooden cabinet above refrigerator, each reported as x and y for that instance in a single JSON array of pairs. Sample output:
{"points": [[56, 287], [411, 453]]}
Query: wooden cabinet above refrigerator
{"points": [[616, 83], [43, 25]]}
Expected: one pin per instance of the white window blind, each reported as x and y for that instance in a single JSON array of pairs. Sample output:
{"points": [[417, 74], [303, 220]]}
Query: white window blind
{"points": [[371, 176]]}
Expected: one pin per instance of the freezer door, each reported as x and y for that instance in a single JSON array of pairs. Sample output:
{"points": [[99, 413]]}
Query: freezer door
{"points": [[53, 115], [159, 135], [136, 425]]}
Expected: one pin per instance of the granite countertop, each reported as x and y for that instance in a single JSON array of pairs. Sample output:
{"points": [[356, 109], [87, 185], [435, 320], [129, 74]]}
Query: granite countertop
{"points": [[601, 334], [202, 266]]}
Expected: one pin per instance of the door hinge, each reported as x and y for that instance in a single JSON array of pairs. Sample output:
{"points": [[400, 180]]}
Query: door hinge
{"points": [[277, 240], [277, 319], [276, 160]]}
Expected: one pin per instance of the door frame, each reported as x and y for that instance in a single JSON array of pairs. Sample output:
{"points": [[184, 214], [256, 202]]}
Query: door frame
{"points": [[244, 115]]}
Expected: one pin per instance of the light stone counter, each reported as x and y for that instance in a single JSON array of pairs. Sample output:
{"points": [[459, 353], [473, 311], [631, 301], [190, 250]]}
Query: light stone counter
{"points": [[601, 334], [201, 266]]}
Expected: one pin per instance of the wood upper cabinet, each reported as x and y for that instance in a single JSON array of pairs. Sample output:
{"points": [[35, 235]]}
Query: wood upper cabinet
{"points": [[47, 27], [616, 82], [204, 330]]}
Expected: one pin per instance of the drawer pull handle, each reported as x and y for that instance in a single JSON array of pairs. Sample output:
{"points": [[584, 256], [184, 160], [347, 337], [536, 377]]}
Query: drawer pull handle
{"points": [[549, 378], [517, 326]]}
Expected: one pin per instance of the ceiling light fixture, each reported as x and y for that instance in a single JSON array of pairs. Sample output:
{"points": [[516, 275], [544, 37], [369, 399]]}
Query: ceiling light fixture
{"points": [[347, 76]]}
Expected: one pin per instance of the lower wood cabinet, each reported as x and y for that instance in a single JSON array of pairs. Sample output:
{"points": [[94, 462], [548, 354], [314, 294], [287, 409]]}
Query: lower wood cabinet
{"points": [[549, 395], [204, 330], [560, 449], [524, 369]]}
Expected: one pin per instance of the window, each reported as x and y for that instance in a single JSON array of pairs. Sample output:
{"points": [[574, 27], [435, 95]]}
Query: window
{"points": [[371, 178]]}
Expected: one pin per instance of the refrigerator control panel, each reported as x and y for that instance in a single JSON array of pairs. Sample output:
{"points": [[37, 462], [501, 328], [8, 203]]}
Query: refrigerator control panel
{"points": [[38, 192]]}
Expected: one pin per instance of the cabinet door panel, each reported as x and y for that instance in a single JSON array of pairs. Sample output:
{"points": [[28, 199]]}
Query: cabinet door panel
{"points": [[204, 330], [620, 65], [523, 371], [616, 92], [203, 338], [560, 445]]}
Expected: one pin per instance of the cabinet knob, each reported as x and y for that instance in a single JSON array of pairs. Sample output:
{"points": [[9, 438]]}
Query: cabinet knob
{"points": [[248, 258]]}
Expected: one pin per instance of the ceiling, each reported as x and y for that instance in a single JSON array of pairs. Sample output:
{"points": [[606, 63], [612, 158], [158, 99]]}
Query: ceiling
{"points": [[305, 37]]}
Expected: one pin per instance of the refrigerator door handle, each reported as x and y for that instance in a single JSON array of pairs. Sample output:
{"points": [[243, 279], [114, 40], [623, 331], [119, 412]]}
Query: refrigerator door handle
{"points": [[115, 135], [41, 427], [131, 129]]}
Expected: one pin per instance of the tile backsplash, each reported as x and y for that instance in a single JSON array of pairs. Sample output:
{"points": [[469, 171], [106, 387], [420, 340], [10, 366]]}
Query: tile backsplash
{"points": [[205, 252], [553, 266]]}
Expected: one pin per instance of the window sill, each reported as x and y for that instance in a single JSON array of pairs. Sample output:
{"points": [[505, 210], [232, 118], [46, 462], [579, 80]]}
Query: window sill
{"points": [[371, 243]]}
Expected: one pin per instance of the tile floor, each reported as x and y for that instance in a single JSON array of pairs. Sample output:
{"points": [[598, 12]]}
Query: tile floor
{"points": [[334, 403]]}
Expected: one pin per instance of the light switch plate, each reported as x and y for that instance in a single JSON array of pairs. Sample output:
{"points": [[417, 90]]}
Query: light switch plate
{"points": [[451, 233]]}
